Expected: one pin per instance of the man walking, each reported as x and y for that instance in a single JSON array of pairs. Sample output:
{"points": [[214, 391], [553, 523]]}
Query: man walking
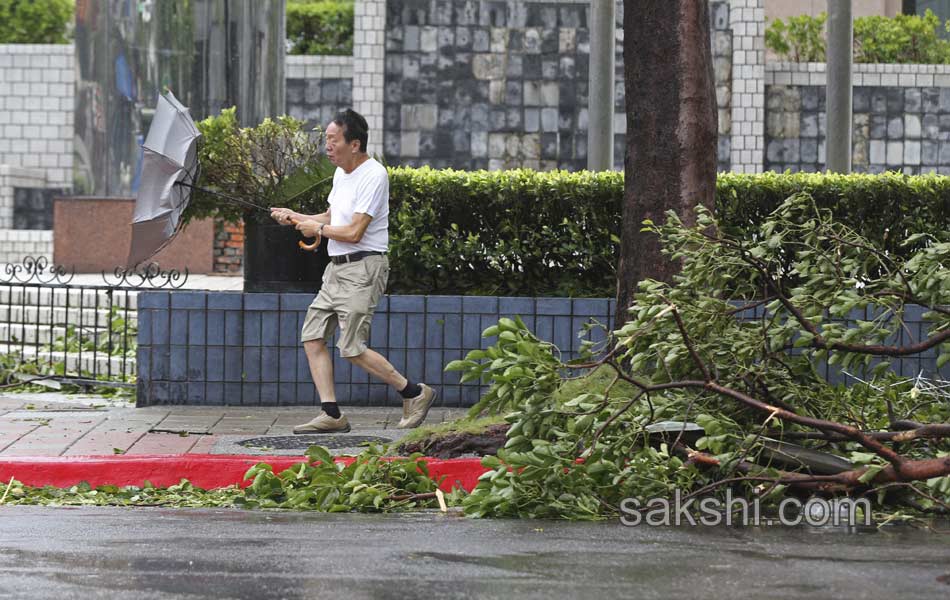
{"points": [[357, 227]]}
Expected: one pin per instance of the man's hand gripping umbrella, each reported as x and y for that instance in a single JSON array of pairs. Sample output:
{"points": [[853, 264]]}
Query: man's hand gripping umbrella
{"points": [[307, 227]]}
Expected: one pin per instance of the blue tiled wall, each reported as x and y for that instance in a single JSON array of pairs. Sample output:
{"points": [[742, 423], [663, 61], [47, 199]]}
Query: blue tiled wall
{"points": [[244, 349]]}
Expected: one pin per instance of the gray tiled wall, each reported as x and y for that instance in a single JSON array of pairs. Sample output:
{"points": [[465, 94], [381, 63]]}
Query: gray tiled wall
{"points": [[317, 100], [894, 128], [504, 84]]}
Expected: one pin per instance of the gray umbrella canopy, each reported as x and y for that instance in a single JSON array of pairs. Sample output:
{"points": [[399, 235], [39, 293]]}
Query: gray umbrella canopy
{"points": [[170, 157]]}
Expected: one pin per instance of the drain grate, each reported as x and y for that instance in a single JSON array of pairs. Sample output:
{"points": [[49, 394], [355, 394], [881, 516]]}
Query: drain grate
{"points": [[302, 442]]}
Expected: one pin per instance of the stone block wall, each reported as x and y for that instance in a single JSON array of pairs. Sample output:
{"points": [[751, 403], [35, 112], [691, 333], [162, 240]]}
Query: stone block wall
{"points": [[369, 54], [722, 48], [33, 207], [461, 83], [36, 143], [479, 85], [17, 244], [318, 87], [901, 118], [504, 84], [36, 109]]}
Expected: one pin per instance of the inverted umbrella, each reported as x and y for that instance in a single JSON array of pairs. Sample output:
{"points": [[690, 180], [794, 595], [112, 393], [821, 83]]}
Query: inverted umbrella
{"points": [[170, 156], [169, 171]]}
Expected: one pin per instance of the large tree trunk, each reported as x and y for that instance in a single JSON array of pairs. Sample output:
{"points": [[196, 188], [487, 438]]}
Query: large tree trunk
{"points": [[671, 130]]}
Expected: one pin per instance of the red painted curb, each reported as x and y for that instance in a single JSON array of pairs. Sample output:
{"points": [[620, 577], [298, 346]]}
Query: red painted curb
{"points": [[206, 471]]}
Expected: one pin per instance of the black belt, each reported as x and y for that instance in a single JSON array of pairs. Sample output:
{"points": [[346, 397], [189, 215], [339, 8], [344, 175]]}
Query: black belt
{"points": [[355, 256]]}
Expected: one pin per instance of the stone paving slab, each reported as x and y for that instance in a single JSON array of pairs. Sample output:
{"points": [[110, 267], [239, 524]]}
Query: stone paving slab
{"points": [[54, 424], [187, 423], [163, 443], [98, 443]]}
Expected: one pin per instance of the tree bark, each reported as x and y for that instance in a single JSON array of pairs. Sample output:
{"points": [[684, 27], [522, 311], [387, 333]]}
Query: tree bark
{"points": [[672, 127]]}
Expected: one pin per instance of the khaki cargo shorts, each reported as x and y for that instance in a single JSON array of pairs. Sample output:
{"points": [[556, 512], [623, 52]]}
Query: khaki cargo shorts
{"points": [[348, 297]]}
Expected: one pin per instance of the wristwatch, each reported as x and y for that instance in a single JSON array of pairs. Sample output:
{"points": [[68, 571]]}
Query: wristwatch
{"points": [[320, 229]]}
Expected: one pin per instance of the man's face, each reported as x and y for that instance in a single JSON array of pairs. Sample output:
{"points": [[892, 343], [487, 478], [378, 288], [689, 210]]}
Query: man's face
{"points": [[339, 151]]}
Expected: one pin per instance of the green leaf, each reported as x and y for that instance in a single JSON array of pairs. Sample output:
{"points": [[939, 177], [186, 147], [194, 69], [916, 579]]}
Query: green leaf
{"points": [[871, 473], [458, 365]]}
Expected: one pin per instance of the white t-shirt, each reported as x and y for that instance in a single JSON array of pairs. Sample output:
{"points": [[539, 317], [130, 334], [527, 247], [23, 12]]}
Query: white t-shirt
{"points": [[364, 190]]}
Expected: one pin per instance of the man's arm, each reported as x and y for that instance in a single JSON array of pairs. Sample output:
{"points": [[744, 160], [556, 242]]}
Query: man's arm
{"points": [[351, 233], [285, 216]]}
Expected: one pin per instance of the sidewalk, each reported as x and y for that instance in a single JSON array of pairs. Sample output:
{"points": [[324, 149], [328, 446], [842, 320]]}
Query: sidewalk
{"points": [[52, 424], [53, 438], [60, 440]]}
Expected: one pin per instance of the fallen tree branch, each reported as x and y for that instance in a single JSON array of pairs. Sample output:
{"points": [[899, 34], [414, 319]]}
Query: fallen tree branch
{"points": [[846, 481], [412, 497], [934, 431]]}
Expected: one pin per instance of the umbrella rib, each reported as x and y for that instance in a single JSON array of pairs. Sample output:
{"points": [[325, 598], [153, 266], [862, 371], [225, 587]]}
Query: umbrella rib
{"points": [[247, 203]]}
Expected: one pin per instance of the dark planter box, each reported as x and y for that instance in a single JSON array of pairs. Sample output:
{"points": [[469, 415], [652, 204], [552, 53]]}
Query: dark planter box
{"points": [[273, 262]]}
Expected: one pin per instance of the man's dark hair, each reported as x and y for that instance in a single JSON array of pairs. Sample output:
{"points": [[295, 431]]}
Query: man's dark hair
{"points": [[354, 127]]}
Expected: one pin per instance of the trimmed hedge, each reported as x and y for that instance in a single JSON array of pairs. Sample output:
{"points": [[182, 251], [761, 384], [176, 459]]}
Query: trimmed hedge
{"points": [[525, 233], [506, 233], [322, 27], [884, 208]]}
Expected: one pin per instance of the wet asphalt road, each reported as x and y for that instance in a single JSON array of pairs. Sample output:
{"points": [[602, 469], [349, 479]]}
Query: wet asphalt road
{"points": [[65, 553]]}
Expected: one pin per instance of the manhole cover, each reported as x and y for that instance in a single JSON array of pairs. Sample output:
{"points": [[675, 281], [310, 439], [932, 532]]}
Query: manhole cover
{"points": [[302, 442]]}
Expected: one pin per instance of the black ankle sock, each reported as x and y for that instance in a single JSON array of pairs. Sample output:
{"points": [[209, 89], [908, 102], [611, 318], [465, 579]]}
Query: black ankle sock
{"points": [[411, 390], [331, 409]]}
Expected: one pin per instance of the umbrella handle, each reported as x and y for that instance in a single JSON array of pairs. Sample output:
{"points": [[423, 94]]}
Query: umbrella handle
{"points": [[304, 245]]}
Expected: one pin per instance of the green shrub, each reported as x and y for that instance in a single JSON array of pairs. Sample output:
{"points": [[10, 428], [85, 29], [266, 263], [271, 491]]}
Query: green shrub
{"points": [[265, 165], [323, 27], [36, 21], [524, 233], [800, 39], [902, 39]]}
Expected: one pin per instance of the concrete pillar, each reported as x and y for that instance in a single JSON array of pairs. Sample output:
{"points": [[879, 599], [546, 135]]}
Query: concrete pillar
{"points": [[838, 94], [747, 147], [600, 128], [369, 67]]}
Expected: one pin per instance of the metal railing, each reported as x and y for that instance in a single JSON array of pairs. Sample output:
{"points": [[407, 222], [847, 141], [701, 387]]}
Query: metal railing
{"points": [[52, 328]]}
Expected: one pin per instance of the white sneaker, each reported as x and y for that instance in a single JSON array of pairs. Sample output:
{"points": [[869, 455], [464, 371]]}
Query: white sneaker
{"points": [[414, 410], [324, 423]]}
